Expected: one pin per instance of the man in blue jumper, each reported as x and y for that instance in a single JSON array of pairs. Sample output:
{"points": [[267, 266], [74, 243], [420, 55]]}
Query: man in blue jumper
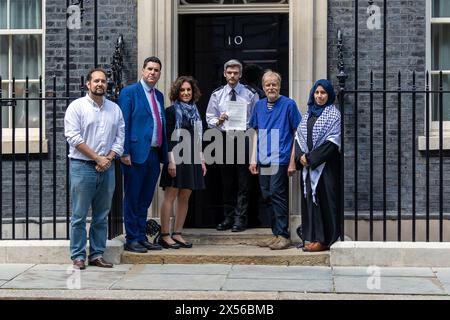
{"points": [[275, 119]]}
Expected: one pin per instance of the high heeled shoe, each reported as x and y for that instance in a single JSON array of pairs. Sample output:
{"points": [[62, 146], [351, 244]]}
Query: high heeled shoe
{"points": [[163, 243], [181, 243]]}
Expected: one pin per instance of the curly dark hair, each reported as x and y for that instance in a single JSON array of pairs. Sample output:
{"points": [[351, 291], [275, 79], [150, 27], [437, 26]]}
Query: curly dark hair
{"points": [[176, 86]]}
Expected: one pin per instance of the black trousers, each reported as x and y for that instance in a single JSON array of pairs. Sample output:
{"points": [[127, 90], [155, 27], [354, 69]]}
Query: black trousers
{"points": [[235, 178]]}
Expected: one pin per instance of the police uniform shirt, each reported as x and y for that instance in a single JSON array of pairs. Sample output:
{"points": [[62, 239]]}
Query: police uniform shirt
{"points": [[216, 105]]}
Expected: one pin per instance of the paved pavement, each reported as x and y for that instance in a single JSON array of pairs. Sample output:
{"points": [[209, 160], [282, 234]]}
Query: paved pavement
{"points": [[216, 281]]}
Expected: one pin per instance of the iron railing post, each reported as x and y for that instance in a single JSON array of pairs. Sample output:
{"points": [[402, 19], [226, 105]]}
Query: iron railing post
{"points": [[342, 77]]}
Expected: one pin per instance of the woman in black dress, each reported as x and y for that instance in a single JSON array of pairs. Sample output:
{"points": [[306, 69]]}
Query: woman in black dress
{"points": [[319, 137], [186, 167]]}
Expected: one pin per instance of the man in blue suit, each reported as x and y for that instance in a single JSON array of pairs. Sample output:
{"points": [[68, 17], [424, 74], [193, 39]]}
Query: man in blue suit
{"points": [[145, 148]]}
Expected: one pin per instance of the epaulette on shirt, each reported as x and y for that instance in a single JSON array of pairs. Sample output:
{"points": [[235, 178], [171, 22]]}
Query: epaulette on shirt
{"points": [[219, 88], [252, 90]]}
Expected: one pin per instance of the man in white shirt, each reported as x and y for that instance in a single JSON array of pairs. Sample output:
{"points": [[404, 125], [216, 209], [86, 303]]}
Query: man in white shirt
{"points": [[235, 175], [95, 130]]}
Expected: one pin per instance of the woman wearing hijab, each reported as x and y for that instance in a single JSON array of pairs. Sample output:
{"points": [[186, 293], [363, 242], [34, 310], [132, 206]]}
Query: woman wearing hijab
{"points": [[186, 167], [319, 138]]}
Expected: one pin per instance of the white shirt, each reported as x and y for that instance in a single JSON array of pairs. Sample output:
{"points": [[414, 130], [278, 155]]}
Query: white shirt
{"points": [[102, 128], [216, 105]]}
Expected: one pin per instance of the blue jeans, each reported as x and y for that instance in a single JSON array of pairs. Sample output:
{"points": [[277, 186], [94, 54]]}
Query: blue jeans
{"points": [[89, 188]]}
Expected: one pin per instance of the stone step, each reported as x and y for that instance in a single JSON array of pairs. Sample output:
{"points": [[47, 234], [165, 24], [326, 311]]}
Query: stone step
{"points": [[226, 247], [214, 237], [229, 254]]}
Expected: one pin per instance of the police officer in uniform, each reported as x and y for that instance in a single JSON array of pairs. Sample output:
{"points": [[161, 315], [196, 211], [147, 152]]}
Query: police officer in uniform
{"points": [[235, 176]]}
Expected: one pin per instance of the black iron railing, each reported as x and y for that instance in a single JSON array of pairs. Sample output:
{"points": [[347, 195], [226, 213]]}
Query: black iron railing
{"points": [[393, 189], [38, 176], [405, 170], [51, 198]]}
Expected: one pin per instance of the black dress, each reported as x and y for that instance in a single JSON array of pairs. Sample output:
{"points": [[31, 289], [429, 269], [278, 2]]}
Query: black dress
{"points": [[189, 175], [320, 223]]}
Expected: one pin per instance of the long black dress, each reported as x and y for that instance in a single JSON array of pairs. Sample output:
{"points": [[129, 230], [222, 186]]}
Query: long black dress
{"points": [[189, 175], [320, 223]]}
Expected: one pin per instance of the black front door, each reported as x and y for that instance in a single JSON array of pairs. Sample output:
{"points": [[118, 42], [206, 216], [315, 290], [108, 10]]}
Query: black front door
{"points": [[206, 42]]}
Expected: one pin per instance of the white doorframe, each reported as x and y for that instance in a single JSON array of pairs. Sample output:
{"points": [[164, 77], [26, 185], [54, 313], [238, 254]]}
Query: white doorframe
{"points": [[157, 35]]}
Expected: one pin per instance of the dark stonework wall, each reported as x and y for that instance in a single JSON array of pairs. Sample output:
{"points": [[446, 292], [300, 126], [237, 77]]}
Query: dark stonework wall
{"points": [[406, 52], [115, 17]]}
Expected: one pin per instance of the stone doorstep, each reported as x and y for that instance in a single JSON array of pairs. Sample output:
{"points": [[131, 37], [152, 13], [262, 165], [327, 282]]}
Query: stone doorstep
{"points": [[57, 252], [225, 247], [228, 254], [390, 254], [210, 246], [214, 237], [348, 253]]}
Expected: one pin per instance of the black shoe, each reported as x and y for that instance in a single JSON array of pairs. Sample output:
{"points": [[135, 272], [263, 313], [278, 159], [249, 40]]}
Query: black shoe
{"points": [[150, 246], [182, 244], [224, 225], [135, 247], [238, 228], [166, 245]]}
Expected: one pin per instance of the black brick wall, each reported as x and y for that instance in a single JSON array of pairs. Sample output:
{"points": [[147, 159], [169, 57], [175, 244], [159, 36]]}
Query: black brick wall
{"points": [[406, 52], [115, 17]]}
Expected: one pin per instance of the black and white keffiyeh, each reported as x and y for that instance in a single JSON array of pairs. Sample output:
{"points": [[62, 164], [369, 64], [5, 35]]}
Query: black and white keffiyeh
{"points": [[326, 128]]}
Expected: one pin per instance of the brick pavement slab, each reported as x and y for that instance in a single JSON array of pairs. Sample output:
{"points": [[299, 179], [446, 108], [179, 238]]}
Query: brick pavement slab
{"points": [[446, 286], [203, 269], [388, 285], [384, 271], [9, 271], [443, 274], [170, 282], [281, 272], [69, 279]]}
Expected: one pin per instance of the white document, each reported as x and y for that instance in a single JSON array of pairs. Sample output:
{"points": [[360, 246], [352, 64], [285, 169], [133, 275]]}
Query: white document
{"points": [[237, 115]]}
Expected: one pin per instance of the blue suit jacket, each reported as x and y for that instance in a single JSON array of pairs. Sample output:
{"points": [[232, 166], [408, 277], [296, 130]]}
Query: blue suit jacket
{"points": [[139, 123]]}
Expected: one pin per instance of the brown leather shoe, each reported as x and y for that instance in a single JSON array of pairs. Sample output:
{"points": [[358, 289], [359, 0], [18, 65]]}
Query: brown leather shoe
{"points": [[317, 247], [100, 262], [79, 264], [307, 247]]}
